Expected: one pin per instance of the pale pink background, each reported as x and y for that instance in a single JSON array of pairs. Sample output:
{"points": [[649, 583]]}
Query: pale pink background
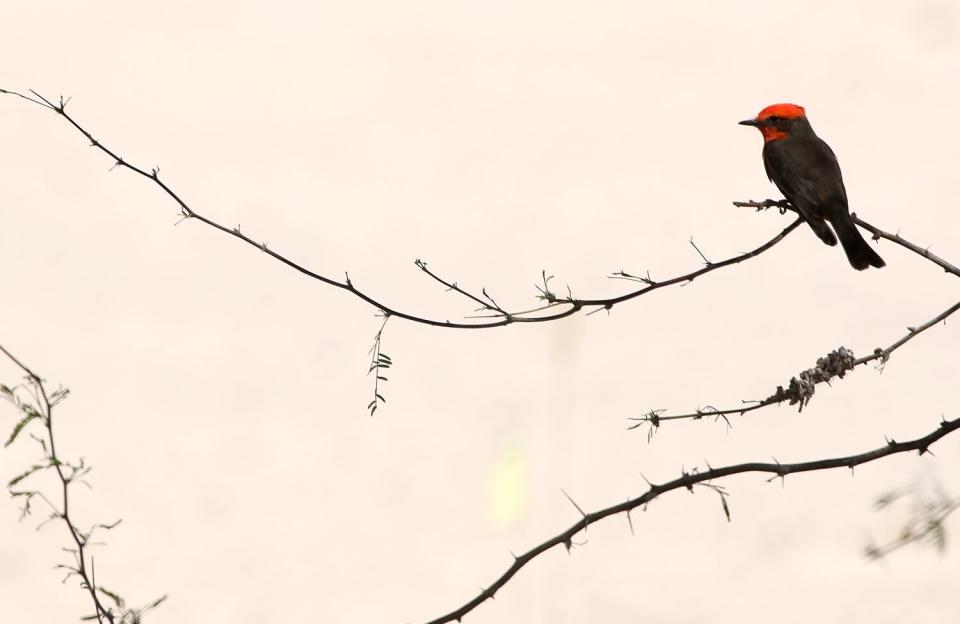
{"points": [[220, 396]]}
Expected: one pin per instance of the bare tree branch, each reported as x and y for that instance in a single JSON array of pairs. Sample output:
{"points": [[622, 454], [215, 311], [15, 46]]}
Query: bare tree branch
{"points": [[687, 481], [800, 389], [783, 205], [565, 307]]}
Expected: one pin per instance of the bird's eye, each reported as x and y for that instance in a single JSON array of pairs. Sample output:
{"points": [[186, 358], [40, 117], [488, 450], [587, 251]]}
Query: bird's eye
{"points": [[773, 119]]}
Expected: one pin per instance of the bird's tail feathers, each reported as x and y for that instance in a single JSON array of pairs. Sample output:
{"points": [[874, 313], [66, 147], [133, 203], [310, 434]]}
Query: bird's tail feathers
{"points": [[859, 252]]}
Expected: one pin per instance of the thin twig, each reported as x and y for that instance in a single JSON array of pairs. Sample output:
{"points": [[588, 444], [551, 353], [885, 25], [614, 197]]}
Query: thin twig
{"points": [[379, 362]]}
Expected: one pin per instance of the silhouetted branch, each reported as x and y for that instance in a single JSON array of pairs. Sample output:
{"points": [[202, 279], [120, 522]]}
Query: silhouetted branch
{"points": [[783, 205], [800, 389], [896, 238], [40, 408], [568, 305], [688, 481]]}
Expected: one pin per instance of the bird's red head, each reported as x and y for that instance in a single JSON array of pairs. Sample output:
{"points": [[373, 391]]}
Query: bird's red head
{"points": [[774, 121]]}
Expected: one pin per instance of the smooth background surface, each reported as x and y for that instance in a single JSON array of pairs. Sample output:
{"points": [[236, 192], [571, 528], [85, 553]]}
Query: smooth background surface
{"points": [[220, 396]]}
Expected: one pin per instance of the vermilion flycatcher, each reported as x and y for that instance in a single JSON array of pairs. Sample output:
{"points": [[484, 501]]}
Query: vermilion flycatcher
{"points": [[806, 171]]}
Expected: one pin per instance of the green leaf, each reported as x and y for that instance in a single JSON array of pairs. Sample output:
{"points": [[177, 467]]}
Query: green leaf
{"points": [[31, 415], [116, 598], [156, 603], [20, 477]]}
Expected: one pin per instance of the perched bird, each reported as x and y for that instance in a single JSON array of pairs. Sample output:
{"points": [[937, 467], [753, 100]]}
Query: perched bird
{"points": [[806, 171]]}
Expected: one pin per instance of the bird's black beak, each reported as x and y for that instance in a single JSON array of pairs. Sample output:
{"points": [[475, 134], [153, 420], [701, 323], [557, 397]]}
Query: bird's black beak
{"points": [[749, 122]]}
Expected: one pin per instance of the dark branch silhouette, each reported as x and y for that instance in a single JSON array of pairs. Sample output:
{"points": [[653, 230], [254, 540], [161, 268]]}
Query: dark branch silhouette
{"points": [[801, 388], [687, 481], [783, 205], [556, 306]]}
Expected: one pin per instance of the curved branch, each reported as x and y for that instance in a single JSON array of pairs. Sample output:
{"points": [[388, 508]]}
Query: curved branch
{"points": [[569, 305], [688, 481], [896, 238]]}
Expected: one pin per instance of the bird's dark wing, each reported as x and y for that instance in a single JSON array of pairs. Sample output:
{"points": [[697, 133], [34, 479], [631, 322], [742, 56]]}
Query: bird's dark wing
{"points": [[807, 173]]}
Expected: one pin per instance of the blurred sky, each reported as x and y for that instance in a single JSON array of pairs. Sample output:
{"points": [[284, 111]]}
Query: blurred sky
{"points": [[220, 396]]}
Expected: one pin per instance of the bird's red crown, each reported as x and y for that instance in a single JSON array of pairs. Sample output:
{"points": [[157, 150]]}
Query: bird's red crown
{"points": [[787, 111]]}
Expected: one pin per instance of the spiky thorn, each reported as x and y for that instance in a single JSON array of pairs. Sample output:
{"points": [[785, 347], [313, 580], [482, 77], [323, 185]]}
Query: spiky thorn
{"points": [[780, 473], [582, 513]]}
